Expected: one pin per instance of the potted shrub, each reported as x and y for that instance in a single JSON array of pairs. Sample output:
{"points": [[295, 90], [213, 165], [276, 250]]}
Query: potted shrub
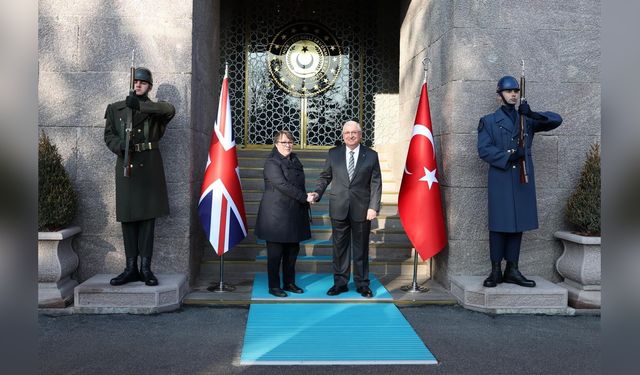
{"points": [[579, 264], [57, 203]]}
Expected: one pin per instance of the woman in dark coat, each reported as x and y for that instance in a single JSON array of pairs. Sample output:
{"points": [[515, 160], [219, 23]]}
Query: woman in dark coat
{"points": [[283, 216]]}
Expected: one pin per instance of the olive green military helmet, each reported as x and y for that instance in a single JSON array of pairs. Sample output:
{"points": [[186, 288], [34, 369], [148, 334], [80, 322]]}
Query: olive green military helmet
{"points": [[143, 74]]}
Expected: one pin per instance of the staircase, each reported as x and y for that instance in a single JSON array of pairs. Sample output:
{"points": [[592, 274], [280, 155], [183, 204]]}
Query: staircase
{"points": [[390, 250]]}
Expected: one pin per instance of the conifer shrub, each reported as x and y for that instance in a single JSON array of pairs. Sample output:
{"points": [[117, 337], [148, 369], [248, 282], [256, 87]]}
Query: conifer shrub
{"points": [[57, 201], [583, 207]]}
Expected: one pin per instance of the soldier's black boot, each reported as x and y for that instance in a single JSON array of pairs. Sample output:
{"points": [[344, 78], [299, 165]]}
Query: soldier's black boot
{"points": [[130, 273], [495, 277], [512, 275], [145, 271]]}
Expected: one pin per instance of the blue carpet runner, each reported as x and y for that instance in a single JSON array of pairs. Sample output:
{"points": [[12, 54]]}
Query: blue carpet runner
{"points": [[329, 333], [315, 286]]}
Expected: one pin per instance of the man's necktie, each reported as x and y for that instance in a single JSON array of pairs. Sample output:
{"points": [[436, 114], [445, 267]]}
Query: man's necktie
{"points": [[350, 165]]}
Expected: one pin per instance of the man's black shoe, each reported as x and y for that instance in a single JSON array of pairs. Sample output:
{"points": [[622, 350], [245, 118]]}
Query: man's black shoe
{"points": [[513, 276], [277, 292], [145, 272], [129, 274], [495, 277], [335, 290], [365, 291], [293, 288]]}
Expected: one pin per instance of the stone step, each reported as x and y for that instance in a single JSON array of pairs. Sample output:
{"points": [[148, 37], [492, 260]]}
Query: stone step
{"points": [[311, 176], [545, 298], [322, 218], [319, 209], [249, 250], [257, 183], [97, 296], [323, 233], [210, 270], [309, 158]]}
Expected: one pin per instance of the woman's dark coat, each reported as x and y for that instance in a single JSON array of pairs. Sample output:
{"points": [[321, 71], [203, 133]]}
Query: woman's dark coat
{"points": [[283, 215]]}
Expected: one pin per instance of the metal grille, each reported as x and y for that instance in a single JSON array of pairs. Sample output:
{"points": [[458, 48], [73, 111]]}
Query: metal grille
{"points": [[260, 107]]}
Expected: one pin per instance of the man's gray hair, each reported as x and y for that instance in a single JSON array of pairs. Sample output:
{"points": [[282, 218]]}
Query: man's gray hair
{"points": [[351, 122]]}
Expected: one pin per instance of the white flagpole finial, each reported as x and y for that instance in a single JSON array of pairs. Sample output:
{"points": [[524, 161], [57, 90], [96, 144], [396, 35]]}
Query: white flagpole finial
{"points": [[425, 63], [226, 70]]}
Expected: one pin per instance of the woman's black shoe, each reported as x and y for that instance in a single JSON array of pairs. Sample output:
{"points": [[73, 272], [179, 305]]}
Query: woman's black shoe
{"points": [[277, 292]]}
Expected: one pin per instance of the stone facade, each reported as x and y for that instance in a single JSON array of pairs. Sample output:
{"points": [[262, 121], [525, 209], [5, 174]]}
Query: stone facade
{"points": [[85, 52], [471, 44]]}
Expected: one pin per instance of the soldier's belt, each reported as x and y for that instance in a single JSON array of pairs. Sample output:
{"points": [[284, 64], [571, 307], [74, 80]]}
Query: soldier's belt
{"points": [[146, 146]]}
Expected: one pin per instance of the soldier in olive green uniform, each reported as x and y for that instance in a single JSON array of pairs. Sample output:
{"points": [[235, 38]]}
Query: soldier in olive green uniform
{"points": [[141, 197]]}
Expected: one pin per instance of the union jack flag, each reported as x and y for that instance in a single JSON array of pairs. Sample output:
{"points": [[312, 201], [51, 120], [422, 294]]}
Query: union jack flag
{"points": [[221, 206]]}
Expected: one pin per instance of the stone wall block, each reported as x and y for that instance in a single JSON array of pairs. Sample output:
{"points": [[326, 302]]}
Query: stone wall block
{"points": [[99, 254], [153, 9], [530, 14], [176, 224], [545, 160], [162, 45], [174, 147], [58, 44], [577, 103], [580, 55], [466, 213], [479, 99], [489, 54], [96, 163], [97, 209], [63, 97], [551, 204], [461, 166]]}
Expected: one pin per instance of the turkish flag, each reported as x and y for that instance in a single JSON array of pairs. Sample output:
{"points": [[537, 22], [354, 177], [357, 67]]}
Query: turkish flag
{"points": [[419, 202]]}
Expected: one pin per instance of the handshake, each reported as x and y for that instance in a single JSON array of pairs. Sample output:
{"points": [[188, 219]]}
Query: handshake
{"points": [[312, 197]]}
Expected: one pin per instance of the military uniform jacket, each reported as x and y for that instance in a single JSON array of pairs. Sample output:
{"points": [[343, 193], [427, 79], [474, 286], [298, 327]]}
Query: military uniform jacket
{"points": [[352, 198], [283, 215], [512, 205], [143, 195]]}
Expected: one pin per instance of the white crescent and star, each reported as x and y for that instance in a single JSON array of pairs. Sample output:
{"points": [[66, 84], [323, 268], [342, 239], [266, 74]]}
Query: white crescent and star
{"points": [[429, 175]]}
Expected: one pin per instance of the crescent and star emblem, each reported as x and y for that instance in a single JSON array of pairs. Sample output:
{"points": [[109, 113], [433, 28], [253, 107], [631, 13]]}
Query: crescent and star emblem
{"points": [[429, 175], [304, 59]]}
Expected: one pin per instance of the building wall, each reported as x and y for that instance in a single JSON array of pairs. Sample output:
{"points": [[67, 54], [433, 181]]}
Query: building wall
{"points": [[84, 56], [84, 59], [471, 44]]}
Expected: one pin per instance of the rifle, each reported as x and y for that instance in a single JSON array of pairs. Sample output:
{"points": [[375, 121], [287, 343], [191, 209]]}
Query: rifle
{"points": [[127, 132], [524, 177]]}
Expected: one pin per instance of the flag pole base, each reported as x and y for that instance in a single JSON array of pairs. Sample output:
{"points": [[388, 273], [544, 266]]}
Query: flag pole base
{"points": [[221, 288], [414, 288]]}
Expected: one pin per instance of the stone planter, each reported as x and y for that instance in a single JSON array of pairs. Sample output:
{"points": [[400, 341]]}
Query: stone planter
{"points": [[579, 264], [56, 262]]}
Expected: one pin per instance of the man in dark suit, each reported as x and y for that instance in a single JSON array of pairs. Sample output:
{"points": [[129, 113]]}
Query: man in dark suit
{"points": [[354, 200]]}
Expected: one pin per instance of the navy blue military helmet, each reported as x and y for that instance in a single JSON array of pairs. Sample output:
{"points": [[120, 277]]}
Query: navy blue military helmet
{"points": [[143, 74], [507, 83]]}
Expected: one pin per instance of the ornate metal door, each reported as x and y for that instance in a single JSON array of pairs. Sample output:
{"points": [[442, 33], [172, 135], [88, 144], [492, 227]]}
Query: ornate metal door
{"points": [[288, 71]]}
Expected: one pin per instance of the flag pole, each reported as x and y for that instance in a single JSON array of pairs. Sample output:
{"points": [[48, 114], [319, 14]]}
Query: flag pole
{"points": [[414, 287], [221, 287]]}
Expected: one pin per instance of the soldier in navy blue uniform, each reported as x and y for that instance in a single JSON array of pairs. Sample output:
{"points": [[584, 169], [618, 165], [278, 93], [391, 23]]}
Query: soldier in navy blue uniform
{"points": [[512, 204]]}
